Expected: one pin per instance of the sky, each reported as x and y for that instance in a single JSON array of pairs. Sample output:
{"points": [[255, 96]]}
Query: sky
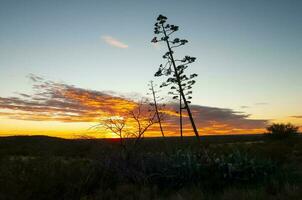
{"points": [[248, 61]]}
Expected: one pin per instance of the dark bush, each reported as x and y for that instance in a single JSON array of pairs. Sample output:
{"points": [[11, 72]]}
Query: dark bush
{"points": [[282, 130]]}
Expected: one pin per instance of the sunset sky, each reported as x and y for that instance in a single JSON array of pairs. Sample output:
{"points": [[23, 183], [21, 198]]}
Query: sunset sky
{"points": [[66, 64]]}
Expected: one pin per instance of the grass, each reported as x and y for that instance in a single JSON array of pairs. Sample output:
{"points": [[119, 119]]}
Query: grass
{"points": [[242, 167]]}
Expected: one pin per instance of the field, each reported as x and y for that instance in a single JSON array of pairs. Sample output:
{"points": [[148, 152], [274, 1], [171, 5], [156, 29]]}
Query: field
{"points": [[222, 167]]}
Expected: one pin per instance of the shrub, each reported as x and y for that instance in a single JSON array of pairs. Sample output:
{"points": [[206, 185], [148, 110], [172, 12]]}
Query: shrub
{"points": [[241, 167], [282, 130], [185, 167]]}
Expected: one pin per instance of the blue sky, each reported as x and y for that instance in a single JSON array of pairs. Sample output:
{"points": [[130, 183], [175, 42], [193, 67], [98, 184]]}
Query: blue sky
{"points": [[248, 52]]}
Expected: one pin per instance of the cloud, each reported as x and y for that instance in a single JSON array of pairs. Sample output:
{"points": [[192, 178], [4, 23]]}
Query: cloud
{"points": [[243, 107], [114, 42], [297, 116], [34, 77], [52, 101], [214, 120]]}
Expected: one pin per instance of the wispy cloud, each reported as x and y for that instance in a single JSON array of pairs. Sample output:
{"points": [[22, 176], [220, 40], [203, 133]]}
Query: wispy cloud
{"points": [[52, 101], [297, 116], [114, 42]]}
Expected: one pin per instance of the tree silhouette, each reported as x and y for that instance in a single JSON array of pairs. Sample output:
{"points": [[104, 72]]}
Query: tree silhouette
{"points": [[174, 69], [156, 106], [144, 117], [180, 117], [132, 124], [117, 126], [281, 130]]}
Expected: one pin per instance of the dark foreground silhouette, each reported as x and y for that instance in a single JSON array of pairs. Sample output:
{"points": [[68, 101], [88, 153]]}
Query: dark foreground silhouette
{"points": [[242, 167]]}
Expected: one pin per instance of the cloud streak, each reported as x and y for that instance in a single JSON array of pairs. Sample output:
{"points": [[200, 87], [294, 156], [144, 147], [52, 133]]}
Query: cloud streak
{"points": [[297, 116], [52, 101], [114, 42]]}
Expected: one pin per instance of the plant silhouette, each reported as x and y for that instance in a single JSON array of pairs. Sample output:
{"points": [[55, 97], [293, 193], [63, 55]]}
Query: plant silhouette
{"points": [[133, 124], [174, 69], [156, 106], [281, 130]]}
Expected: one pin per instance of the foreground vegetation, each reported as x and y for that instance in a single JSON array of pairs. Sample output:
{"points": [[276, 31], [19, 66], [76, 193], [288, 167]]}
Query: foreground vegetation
{"points": [[223, 167]]}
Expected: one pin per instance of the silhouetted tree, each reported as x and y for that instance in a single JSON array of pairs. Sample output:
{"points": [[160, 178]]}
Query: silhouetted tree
{"points": [[132, 124], [117, 126], [157, 107], [180, 83], [180, 116], [282, 130], [144, 118]]}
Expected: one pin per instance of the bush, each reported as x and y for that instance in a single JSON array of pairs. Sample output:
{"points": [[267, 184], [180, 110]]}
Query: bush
{"points": [[185, 167], [238, 166], [282, 130]]}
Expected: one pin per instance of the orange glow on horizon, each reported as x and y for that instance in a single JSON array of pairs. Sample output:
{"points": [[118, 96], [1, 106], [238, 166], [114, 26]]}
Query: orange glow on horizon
{"points": [[69, 112], [79, 130]]}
